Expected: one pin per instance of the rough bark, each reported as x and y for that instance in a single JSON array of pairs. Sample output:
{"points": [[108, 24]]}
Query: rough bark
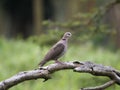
{"points": [[81, 67]]}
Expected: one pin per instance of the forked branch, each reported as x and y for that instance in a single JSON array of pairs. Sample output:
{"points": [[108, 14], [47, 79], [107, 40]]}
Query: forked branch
{"points": [[81, 67]]}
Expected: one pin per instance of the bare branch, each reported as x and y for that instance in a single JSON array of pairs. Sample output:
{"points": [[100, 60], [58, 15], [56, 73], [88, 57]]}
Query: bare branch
{"points": [[102, 87], [35, 74], [82, 67], [99, 70]]}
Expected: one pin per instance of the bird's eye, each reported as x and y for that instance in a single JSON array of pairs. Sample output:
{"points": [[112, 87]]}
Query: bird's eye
{"points": [[68, 33]]}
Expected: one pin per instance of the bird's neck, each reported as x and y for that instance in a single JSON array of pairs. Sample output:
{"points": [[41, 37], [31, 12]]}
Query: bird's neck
{"points": [[65, 39]]}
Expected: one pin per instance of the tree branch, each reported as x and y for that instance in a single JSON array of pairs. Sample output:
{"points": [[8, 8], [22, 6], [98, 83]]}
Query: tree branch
{"points": [[101, 87], [81, 67]]}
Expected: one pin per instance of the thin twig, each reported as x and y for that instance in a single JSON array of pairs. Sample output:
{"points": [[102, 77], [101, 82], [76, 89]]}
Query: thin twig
{"points": [[101, 87]]}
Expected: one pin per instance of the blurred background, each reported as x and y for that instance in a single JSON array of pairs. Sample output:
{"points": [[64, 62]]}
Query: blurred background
{"points": [[28, 28]]}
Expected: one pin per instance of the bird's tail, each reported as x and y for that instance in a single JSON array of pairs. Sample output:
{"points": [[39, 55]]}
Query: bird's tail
{"points": [[42, 63]]}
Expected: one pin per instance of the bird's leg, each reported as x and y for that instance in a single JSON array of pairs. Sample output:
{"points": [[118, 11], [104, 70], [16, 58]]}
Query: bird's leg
{"points": [[59, 62]]}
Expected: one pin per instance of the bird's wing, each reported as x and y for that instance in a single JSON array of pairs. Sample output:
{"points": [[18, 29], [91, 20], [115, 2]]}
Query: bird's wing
{"points": [[55, 52]]}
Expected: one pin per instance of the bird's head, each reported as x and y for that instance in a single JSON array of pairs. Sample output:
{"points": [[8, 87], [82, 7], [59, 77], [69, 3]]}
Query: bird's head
{"points": [[66, 35]]}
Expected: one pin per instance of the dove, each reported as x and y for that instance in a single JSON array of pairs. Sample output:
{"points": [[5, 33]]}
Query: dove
{"points": [[57, 50]]}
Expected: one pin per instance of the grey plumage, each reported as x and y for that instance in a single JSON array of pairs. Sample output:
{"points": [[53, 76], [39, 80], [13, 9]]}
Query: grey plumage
{"points": [[57, 50]]}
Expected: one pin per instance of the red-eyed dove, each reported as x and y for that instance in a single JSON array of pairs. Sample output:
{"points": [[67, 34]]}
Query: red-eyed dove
{"points": [[57, 50]]}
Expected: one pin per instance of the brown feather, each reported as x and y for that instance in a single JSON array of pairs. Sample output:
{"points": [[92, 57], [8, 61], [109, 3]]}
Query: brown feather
{"points": [[53, 54], [57, 50]]}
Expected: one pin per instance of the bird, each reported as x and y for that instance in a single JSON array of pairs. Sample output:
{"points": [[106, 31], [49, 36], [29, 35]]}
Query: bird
{"points": [[57, 50]]}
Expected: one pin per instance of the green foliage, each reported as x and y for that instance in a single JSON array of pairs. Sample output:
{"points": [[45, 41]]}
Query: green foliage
{"points": [[20, 55], [48, 38], [88, 26]]}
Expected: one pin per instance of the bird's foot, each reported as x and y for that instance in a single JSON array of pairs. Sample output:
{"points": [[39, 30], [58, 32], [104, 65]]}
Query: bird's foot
{"points": [[59, 62]]}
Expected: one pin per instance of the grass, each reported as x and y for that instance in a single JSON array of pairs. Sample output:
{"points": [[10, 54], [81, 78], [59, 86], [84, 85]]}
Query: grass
{"points": [[20, 55]]}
